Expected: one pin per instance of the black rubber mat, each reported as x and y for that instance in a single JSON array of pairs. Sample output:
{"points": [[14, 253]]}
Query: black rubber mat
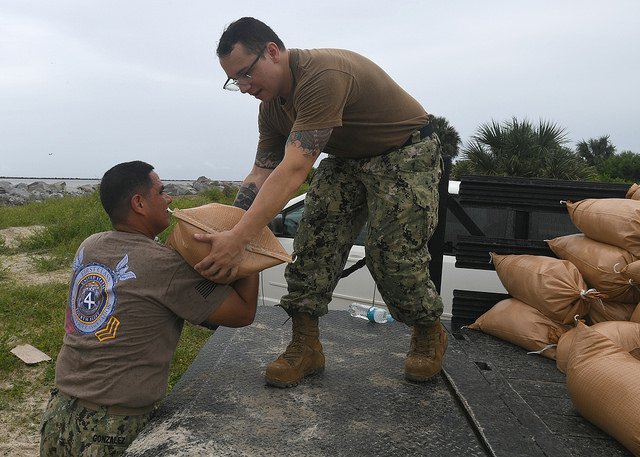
{"points": [[491, 399], [519, 402], [360, 404]]}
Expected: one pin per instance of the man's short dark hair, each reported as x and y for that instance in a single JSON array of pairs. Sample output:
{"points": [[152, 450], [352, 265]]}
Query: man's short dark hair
{"points": [[251, 33], [122, 182]]}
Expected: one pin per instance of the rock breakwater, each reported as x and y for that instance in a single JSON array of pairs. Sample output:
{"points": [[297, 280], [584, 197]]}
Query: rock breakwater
{"points": [[22, 193]]}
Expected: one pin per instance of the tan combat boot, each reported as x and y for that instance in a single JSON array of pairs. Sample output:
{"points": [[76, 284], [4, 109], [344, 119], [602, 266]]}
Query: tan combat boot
{"points": [[424, 359], [303, 357]]}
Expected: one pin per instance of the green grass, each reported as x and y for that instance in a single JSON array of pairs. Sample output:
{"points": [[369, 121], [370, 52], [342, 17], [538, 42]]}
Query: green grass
{"points": [[4, 273], [30, 315], [35, 314]]}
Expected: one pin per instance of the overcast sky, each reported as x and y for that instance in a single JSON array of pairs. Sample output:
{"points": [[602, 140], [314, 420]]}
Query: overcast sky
{"points": [[87, 84]]}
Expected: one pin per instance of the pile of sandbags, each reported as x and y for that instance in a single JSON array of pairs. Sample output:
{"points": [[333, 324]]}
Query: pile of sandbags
{"points": [[596, 276], [518, 323], [595, 280], [547, 293], [602, 266], [607, 253], [625, 334]]}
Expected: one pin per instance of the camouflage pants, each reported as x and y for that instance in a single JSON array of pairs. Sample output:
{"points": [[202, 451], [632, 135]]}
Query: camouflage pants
{"points": [[397, 193], [68, 429]]}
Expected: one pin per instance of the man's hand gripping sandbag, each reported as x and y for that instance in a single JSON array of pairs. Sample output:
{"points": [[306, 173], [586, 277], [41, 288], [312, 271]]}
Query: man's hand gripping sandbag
{"points": [[262, 252]]}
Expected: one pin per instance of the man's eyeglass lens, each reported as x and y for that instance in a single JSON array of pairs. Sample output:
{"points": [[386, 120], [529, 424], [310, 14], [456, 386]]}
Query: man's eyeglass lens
{"points": [[234, 83]]}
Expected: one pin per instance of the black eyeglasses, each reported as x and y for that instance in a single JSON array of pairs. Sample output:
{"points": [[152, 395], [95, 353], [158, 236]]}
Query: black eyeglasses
{"points": [[233, 84]]}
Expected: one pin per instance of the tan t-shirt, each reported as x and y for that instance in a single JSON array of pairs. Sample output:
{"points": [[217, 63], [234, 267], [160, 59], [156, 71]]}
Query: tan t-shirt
{"points": [[369, 112], [128, 299]]}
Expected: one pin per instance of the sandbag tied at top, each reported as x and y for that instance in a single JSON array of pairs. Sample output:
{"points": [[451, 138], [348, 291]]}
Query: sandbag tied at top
{"points": [[630, 272], [523, 325], [554, 287], [614, 221], [624, 334], [603, 383], [599, 264], [633, 192], [262, 252]]}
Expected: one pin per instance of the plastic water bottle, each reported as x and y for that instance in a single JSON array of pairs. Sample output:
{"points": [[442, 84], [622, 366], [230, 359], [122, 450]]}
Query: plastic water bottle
{"points": [[370, 313]]}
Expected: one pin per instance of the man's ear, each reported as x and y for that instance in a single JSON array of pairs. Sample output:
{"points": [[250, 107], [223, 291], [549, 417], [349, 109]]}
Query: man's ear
{"points": [[137, 204], [273, 51]]}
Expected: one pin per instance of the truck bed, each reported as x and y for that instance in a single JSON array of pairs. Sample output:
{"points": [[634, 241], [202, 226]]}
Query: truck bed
{"points": [[492, 399]]}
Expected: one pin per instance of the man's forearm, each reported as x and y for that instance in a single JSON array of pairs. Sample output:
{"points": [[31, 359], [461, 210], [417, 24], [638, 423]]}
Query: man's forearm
{"points": [[301, 151], [246, 195], [265, 163], [247, 288], [274, 194]]}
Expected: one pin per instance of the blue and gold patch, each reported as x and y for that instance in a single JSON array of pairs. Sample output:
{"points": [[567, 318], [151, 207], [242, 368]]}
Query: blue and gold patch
{"points": [[93, 297]]}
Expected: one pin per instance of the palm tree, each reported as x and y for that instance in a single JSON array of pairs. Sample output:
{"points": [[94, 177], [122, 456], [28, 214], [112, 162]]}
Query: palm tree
{"points": [[449, 137], [596, 151], [518, 148], [564, 163]]}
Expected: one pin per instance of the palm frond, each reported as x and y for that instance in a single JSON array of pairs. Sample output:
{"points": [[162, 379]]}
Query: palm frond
{"points": [[483, 161], [550, 135], [490, 134]]}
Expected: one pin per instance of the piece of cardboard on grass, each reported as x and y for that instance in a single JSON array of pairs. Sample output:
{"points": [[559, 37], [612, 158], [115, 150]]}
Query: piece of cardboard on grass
{"points": [[29, 355]]}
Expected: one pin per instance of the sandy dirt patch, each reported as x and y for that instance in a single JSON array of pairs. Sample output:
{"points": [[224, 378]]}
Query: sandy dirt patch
{"points": [[13, 235], [22, 267]]}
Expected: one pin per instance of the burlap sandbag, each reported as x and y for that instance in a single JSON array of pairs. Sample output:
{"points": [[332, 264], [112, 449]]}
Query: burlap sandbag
{"points": [[613, 221], [518, 323], [554, 287], [603, 383], [599, 264], [633, 192], [262, 252], [630, 272], [606, 310], [624, 334]]}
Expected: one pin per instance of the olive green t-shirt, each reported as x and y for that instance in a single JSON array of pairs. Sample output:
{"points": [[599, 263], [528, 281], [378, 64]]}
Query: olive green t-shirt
{"points": [[333, 88], [128, 299]]}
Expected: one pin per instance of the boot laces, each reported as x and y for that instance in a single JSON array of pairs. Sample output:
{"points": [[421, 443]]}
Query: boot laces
{"points": [[425, 341], [295, 348], [300, 338]]}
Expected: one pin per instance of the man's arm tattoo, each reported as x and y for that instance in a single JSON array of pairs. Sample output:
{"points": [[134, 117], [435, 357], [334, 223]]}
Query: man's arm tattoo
{"points": [[268, 159], [246, 195], [312, 142]]}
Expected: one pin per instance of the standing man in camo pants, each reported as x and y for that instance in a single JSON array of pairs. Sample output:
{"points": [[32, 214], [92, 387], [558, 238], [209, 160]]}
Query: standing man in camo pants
{"points": [[383, 166]]}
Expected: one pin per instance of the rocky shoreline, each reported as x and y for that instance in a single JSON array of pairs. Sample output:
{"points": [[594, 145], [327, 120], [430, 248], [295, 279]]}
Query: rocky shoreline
{"points": [[22, 193]]}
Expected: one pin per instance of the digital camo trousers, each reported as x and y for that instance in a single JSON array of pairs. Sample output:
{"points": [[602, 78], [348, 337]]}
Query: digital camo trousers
{"points": [[70, 430], [397, 194]]}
